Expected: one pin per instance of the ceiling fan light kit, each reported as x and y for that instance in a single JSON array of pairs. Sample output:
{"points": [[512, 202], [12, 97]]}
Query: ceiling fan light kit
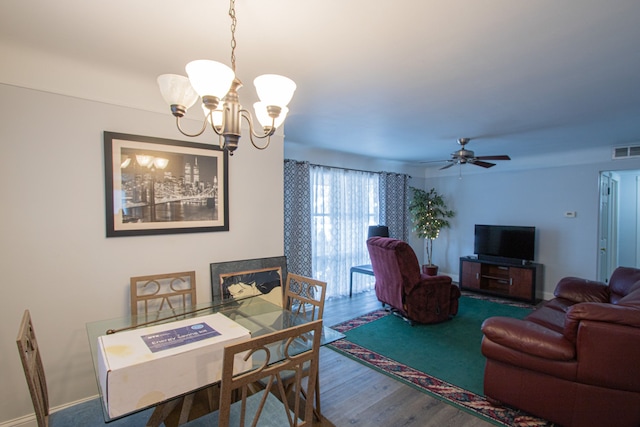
{"points": [[464, 156], [217, 85]]}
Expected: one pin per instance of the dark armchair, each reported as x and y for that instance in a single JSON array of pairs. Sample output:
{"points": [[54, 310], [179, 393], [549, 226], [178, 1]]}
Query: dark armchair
{"points": [[400, 284]]}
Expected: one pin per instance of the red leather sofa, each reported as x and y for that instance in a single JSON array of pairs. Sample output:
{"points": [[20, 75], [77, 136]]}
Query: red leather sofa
{"points": [[576, 359], [410, 293]]}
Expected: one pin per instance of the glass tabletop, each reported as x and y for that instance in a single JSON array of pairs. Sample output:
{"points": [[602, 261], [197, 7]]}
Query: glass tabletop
{"points": [[256, 314]]}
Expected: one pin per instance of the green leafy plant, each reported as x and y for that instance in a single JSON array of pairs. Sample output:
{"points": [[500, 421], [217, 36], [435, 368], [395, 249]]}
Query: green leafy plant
{"points": [[429, 214]]}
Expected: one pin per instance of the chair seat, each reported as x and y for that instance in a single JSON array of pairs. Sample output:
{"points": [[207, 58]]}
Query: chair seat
{"points": [[90, 414], [273, 414]]}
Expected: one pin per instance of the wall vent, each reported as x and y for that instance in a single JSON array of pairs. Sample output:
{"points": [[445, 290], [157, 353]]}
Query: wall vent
{"points": [[626, 152]]}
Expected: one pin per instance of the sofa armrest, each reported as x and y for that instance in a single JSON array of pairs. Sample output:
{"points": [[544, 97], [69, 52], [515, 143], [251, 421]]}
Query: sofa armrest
{"points": [[528, 337], [599, 312], [581, 290]]}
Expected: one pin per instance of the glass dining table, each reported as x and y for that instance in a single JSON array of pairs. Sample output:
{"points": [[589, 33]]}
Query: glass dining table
{"points": [[255, 314]]}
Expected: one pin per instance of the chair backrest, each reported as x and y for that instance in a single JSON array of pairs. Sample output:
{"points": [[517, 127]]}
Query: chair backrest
{"points": [[305, 296], [621, 281], [287, 342], [157, 292], [395, 267], [33, 369]]}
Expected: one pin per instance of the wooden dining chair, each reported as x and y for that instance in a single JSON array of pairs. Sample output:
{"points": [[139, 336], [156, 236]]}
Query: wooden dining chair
{"points": [[87, 413], [152, 294], [304, 297], [158, 292], [263, 408]]}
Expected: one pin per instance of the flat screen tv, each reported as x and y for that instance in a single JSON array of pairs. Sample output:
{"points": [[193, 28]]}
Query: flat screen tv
{"points": [[504, 241]]}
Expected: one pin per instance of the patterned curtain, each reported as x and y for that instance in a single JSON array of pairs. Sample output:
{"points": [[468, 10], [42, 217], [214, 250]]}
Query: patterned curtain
{"points": [[297, 218], [394, 204]]}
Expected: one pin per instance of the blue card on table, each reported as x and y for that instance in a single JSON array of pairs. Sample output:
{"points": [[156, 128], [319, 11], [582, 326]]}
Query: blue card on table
{"points": [[180, 336]]}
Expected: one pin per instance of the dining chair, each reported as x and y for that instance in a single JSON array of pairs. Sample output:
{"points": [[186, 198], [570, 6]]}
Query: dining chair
{"points": [[263, 408], [158, 292], [304, 297], [151, 295], [88, 413]]}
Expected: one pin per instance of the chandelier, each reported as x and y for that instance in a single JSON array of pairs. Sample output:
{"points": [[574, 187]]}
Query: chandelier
{"points": [[217, 85]]}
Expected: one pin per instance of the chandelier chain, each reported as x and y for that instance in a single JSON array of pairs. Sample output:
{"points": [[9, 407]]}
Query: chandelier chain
{"points": [[234, 22]]}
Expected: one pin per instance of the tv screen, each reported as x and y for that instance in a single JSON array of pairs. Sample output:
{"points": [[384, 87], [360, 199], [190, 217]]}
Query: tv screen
{"points": [[505, 241]]}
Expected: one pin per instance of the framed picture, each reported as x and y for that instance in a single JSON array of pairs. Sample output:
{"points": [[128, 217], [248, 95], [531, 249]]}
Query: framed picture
{"points": [[263, 282], [228, 270], [162, 186]]}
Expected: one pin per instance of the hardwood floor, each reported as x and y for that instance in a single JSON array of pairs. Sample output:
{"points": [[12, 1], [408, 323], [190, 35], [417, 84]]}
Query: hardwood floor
{"points": [[355, 395]]}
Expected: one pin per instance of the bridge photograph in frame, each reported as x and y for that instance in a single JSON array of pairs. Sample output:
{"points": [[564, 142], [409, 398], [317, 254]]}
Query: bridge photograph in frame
{"points": [[164, 186]]}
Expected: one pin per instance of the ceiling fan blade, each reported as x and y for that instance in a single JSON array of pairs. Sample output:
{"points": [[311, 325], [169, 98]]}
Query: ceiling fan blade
{"points": [[435, 161], [499, 157], [447, 166], [482, 164]]}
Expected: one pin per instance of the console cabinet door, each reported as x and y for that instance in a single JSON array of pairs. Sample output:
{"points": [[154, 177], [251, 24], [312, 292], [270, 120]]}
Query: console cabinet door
{"points": [[521, 282], [471, 274]]}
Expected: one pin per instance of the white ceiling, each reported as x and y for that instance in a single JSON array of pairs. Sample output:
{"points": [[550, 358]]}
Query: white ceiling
{"points": [[400, 80]]}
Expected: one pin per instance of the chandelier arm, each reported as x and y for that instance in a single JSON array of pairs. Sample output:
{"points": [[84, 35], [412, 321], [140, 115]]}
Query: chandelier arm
{"points": [[252, 133], [204, 127], [247, 115]]}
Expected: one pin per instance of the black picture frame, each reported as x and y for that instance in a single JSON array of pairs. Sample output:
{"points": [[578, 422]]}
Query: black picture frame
{"points": [[219, 269], [164, 186]]}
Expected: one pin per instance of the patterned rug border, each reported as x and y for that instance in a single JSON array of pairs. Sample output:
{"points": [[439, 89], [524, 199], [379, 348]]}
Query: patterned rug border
{"points": [[461, 398]]}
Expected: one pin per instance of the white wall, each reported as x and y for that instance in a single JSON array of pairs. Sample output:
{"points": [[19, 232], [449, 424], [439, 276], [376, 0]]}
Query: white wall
{"points": [[529, 197], [56, 260]]}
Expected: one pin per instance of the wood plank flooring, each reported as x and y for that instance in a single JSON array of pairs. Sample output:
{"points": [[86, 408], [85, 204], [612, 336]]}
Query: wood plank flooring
{"points": [[355, 395]]}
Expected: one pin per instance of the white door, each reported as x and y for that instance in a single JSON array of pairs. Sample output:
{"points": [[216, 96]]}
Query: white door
{"points": [[604, 228]]}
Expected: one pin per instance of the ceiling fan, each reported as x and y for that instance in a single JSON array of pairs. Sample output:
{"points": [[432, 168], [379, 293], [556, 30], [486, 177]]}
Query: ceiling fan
{"points": [[463, 156]]}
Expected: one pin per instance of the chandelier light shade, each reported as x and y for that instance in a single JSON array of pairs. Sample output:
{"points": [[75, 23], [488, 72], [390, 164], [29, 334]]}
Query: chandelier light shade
{"points": [[214, 117], [177, 90], [217, 86], [210, 78], [274, 89]]}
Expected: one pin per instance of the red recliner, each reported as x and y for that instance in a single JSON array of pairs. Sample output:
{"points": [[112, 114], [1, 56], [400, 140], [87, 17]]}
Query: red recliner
{"points": [[401, 285]]}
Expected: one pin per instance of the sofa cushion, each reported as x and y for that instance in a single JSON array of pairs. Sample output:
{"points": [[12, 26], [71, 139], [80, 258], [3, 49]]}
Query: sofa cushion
{"points": [[548, 317], [582, 290], [600, 312], [632, 299], [559, 304]]}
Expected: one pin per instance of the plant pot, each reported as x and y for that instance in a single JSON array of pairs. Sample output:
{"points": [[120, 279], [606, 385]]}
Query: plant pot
{"points": [[430, 270]]}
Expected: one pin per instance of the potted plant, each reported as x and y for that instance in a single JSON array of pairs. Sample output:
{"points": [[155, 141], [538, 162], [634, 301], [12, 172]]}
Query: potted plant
{"points": [[429, 214]]}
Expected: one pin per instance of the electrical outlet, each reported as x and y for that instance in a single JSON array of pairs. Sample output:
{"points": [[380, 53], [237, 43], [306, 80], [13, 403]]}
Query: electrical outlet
{"points": [[570, 214]]}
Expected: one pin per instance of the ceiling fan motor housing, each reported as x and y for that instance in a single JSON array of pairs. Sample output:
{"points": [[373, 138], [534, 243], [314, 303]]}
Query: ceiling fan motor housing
{"points": [[464, 156]]}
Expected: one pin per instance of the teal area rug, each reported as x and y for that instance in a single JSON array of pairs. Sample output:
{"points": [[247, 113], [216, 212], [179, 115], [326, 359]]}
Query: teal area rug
{"points": [[442, 359]]}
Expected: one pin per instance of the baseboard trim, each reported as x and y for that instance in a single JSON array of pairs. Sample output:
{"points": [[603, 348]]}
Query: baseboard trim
{"points": [[30, 420], [26, 421]]}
